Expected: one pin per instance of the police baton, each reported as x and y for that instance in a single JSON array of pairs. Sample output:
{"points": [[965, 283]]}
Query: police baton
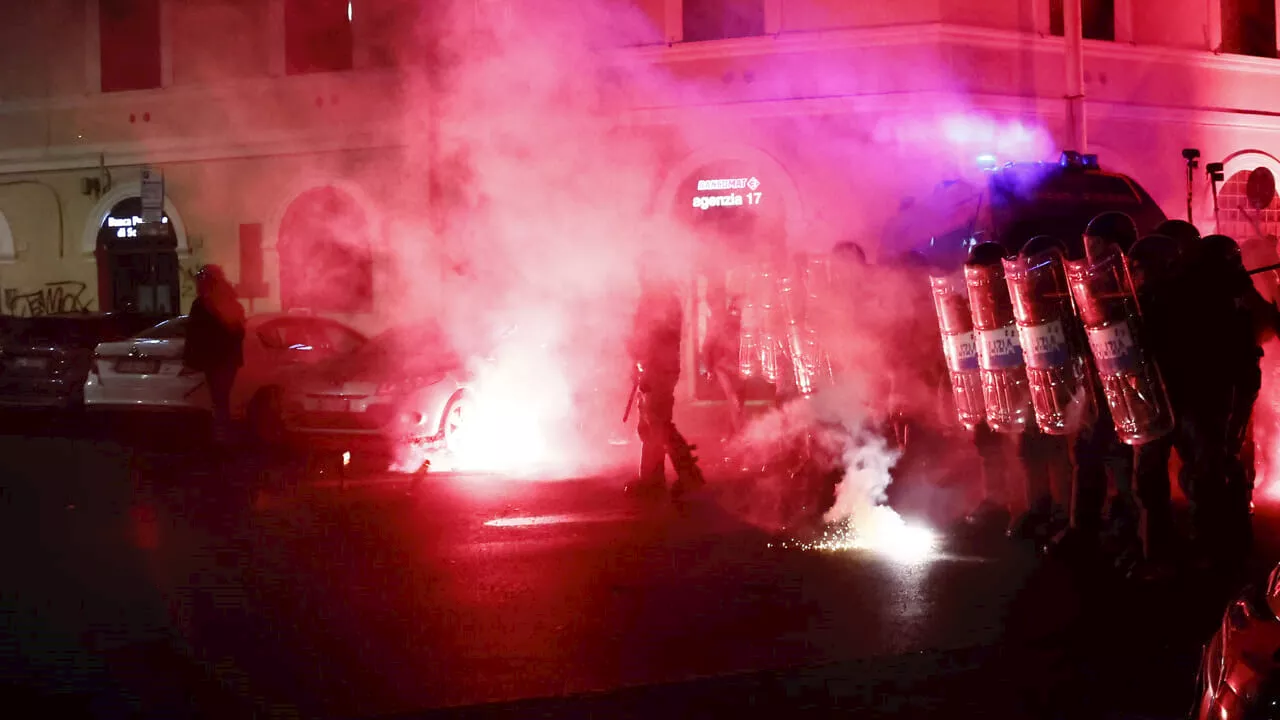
{"points": [[631, 400]]}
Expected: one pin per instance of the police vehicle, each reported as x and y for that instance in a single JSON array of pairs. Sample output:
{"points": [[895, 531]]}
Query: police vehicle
{"points": [[1017, 201]]}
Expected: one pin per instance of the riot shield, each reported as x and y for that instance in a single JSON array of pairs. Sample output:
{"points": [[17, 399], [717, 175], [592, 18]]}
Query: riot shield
{"points": [[758, 346], [1005, 392], [959, 347], [1053, 345], [1105, 302]]}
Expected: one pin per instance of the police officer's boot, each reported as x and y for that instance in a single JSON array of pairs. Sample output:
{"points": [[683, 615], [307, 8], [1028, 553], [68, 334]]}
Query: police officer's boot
{"points": [[688, 474], [1035, 524], [651, 481]]}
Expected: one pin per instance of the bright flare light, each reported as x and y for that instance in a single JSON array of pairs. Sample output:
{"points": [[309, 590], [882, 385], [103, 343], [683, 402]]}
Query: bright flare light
{"points": [[881, 531], [515, 416]]}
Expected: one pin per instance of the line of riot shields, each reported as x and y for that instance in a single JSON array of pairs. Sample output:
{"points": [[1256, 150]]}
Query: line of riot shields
{"points": [[782, 313], [1025, 337]]}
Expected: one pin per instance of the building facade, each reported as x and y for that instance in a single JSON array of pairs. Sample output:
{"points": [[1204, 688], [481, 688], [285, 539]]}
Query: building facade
{"points": [[278, 127]]}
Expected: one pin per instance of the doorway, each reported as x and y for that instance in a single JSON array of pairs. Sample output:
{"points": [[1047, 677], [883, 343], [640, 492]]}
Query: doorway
{"points": [[137, 264], [739, 226]]}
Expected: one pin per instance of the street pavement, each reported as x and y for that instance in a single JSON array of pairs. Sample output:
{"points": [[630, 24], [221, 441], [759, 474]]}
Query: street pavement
{"points": [[141, 581]]}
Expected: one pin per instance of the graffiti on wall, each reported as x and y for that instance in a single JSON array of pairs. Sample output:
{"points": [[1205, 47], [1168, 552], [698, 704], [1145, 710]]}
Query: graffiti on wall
{"points": [[187, 279], [62, 296]]}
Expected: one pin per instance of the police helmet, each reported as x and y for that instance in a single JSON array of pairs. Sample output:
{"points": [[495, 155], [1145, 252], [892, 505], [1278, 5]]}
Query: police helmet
{"points": [[987, 253], [1182, 232], [1220, 248], [1042, 244], [1154, 256], [1114, 227]]}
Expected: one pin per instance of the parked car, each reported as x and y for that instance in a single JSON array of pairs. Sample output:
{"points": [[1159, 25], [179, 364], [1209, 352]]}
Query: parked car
{"points": [[1239, 675], [407, 388], [44, 360], [146, 371]]}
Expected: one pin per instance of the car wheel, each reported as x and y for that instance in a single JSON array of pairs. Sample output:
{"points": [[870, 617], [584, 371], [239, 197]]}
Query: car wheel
{"points": [[454, 420], [265, 417]]}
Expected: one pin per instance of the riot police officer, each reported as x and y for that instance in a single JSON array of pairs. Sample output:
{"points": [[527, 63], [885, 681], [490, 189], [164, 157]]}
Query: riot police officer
{"points": [[655, 350], [1158, 268], [1240, 317], [1038, 454], [1096, 449]]}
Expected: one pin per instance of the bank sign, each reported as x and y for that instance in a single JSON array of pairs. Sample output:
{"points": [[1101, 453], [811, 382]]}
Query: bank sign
{"points": [[127, 227], [727, 192]]}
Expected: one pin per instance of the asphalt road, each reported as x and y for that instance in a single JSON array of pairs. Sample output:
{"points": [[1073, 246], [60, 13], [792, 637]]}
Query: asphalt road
{"points": [[136, 581]]}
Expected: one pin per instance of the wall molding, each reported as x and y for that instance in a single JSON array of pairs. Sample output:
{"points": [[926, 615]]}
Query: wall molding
{"points": [[390, 134]]}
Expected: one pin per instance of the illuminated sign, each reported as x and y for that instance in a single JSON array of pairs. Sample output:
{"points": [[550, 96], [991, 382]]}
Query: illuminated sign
{"points": [[722, 199], [126, 227]]}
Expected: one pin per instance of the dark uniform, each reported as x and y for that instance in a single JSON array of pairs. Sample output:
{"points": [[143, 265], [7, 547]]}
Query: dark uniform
{"points": [[1045, 458], [1243, 318], [1096, 450], [1041, 457], [655, 349], [1159, 270]]}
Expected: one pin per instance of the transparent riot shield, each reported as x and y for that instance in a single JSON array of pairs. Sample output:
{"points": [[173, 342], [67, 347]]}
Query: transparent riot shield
{"points": [[1106, 303], [1005, 392], [758, 346], [959, 347], [1053, 344]]}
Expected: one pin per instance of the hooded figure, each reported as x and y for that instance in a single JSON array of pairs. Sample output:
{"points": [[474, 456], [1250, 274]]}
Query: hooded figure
{"points": [[215, 340]]}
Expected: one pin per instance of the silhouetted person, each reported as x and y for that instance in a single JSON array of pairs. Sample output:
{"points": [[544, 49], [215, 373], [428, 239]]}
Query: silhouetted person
{"points": [[655, 350], [1238, 318], [1097, 450], [215, 341], [1159, 274]]}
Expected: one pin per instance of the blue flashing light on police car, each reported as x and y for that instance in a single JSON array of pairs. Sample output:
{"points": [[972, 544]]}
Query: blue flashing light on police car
{"points": [[1073, 160]]}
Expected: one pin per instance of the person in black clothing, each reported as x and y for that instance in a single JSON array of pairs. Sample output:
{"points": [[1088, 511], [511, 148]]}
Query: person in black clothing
{"points": [[215, 341], [1243, 319], [1041, 457], [1159, 270], [1096, 450], [654, 347], [1046, 459]]}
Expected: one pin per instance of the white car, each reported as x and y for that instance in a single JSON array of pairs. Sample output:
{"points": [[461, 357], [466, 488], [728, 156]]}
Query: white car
{"points": [[401, 397], [146, 371]]}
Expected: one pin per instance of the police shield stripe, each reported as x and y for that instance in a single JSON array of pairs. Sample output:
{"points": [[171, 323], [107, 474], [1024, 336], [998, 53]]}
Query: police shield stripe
{"points": [[961, 352], [1045, 345], [1113, 349], [999, 349]]}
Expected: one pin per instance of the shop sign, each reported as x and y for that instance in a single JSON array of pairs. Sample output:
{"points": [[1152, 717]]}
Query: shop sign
{"points": [[127, 227], [727, 192]]}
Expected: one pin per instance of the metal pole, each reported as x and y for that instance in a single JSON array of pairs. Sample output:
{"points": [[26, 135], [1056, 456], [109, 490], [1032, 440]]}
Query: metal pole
{"points": [[1073, 27]]}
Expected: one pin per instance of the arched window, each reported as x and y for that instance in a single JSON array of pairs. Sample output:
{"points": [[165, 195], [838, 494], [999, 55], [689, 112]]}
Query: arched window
{"points": [[326, 264]]}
